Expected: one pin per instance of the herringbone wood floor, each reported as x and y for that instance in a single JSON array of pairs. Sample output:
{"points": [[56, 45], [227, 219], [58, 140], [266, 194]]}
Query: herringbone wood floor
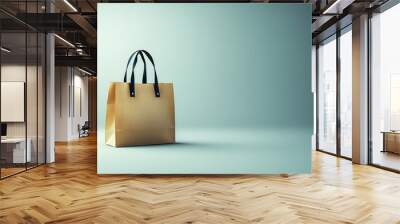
{"points": [[70, 191]]}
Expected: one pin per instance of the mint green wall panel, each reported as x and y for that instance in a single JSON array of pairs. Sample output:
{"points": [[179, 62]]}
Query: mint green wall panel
{"points": [[242, 82]]}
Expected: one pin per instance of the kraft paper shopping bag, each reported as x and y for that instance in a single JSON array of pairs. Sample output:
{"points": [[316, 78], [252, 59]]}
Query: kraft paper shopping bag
{"points": [[140, 114]]}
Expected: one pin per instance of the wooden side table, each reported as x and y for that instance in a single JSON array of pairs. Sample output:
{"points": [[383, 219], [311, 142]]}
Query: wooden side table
{"points": [[391, 141]]}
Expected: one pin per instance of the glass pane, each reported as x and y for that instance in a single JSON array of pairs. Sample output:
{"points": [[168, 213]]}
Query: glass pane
{"points": [[13, 86], [327, 96], [22, 88], [32, 96], [346, 94], [32, 88], [386, 89], [41, 99]]}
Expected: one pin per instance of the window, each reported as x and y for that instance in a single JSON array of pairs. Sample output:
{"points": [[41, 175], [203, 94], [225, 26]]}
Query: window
{"points": [[346, 93], [327, 95], [385, 89], [333, 137]]}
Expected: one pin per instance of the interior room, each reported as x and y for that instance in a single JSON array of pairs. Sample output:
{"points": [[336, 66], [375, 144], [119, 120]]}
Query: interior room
{"points": [[22, 100], [199, 111]]}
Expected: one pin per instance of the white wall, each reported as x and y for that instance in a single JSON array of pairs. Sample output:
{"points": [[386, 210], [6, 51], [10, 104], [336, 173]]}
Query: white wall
{"points": [[71, 94], [79, 117], [61, 103]]}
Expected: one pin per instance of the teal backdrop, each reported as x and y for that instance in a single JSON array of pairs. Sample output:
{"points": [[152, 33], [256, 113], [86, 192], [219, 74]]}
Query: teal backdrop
{"points": [[242, 82]]}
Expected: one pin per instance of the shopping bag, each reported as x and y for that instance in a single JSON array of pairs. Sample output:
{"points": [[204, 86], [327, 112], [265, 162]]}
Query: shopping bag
{"points": [[140, 114]]}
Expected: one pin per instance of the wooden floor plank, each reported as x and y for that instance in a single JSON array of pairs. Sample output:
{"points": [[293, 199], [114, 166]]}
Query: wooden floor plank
{"points": [[70, 191]]}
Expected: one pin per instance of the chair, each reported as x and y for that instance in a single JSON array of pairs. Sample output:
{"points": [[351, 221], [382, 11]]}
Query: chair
{"points": [[84, 130]]}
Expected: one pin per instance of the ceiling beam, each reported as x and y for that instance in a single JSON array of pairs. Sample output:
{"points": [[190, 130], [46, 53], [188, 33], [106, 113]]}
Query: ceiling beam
{"points": [[83, 61], [84, 24], [337, 6]]}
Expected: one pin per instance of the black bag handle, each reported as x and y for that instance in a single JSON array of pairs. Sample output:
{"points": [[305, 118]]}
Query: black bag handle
{"points": [[132, 83], [156, 87], [144, 79]]}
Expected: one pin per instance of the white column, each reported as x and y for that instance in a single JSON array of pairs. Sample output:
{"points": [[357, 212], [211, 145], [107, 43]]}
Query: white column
{"points": [[360, 90], [50, 94]]}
